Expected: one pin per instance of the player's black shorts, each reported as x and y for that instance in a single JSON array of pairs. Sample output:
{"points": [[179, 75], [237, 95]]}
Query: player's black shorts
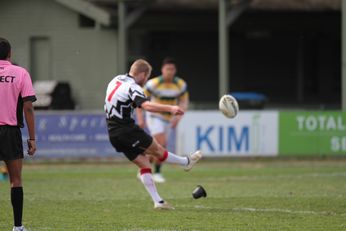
{"points": [[11, 143], [129, 139]]}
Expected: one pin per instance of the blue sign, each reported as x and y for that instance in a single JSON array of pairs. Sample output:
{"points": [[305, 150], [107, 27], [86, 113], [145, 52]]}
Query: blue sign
{"points": [[71, 134]]}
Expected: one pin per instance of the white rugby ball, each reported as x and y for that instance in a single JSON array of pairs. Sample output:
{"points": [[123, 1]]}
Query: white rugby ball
{"points": [[228, 105]]}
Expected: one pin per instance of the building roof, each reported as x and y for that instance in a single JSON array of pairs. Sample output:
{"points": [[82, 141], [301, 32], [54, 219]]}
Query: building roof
{"points": [[105, 11], [300, 5]]}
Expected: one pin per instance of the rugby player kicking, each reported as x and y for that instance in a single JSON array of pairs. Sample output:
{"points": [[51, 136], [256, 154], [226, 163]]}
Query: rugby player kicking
{"points": [[124, 94]]}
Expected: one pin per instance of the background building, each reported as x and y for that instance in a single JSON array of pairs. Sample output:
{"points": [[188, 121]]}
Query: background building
{"points": [[54, 43], [288, 50]]}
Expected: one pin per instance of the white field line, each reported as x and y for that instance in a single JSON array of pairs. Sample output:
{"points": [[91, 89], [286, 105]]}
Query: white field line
{"points": [[296, 176], [139, 229], [288, 211], [331, 174], [270, 210]]}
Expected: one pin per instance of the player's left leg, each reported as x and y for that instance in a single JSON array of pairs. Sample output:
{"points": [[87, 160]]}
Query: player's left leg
{"points": [[146, 177], [158, 128], [162, 140], [15, 175]]}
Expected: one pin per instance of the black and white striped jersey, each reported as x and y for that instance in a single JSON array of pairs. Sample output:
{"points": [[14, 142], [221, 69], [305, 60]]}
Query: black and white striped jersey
{"points": [[123, 95]]}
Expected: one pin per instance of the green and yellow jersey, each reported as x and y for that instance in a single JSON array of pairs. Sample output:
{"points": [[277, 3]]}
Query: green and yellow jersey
{"points": [[169, 93]]}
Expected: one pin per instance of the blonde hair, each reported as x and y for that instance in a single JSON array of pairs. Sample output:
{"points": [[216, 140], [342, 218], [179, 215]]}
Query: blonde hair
{"points": [[140, 66]]}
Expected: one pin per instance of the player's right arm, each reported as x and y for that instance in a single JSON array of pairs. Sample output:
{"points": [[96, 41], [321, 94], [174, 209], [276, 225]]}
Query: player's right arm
{"points": [[141, 101], [157, 107], [30, 121]]}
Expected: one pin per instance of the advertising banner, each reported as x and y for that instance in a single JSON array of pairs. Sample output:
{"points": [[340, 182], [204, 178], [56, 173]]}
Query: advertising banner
{"points": [[69, 134], [251, 133], [312, 133]]}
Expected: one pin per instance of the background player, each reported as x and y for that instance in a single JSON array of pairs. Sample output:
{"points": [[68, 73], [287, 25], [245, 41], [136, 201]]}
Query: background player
{"points": [[124, 93], [16, 94], [166, 89]]}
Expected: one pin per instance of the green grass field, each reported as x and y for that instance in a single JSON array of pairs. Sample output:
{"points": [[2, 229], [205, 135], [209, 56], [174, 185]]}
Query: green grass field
{"points": [[242, 195]]}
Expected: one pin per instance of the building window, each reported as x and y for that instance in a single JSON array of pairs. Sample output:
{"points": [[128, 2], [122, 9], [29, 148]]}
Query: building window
{"points": [[86, 22]]}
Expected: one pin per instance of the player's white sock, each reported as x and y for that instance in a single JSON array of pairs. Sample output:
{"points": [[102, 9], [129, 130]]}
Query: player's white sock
{"points": [[174, 159], [147, 180]]}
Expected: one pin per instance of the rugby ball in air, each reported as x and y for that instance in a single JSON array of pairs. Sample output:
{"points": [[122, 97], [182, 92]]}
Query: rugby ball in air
{"points": [[228, 105]]}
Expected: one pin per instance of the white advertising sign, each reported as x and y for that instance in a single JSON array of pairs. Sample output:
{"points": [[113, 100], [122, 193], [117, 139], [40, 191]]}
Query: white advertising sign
{"points": [[251, 133]]}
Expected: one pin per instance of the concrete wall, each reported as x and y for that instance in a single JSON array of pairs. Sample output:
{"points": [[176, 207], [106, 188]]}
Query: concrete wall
{"points": [[86, 57]]}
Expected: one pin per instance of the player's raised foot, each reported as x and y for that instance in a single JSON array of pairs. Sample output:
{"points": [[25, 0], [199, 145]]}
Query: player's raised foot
{"points": [[158, 178], [21, 228], [193, 159], [163, 205]]}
